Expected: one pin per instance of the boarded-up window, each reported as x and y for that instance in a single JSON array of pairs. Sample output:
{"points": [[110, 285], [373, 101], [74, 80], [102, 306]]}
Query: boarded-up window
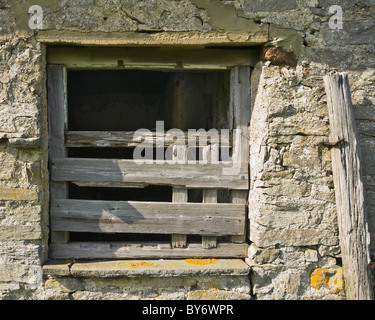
{"points": [[188, 196]]}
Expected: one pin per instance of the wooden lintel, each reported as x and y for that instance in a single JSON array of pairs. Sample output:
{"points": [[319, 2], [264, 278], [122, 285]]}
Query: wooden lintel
{"points": [[159, 58]]}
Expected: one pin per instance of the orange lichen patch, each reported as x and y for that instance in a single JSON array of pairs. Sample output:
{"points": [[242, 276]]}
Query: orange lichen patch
{"points": [[330, 278], [200, 262], [319, 278]]}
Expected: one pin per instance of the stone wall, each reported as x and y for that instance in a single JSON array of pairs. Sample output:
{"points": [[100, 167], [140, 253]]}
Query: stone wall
{"points": [[294, 251]]}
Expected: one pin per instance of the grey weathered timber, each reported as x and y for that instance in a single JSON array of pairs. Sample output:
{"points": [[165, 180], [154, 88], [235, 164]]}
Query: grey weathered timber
{"points": [[179, 195], [147, 217], [141, 250], [240, 104], [157, 58], [57, 125], [128, 171], [349, 189], [210, 195], [126, 139]]}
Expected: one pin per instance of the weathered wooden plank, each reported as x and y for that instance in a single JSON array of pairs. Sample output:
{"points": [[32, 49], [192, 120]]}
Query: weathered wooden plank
{"points": [[179, 195], [57, 125], [349, 189], [210, 195], [178, 175], [147, 217], [80, 57], [239, 197], [126, 139], [108, 184], [142, 250], [240, 104]]}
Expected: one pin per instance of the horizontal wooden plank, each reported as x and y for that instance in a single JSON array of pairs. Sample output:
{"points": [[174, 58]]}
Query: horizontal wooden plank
{"points": [[141, 250], [220, 175], [126, 139], [160, 58], [147, 217]]}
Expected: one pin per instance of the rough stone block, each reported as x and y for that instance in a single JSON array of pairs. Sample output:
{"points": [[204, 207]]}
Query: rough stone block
{"points": [[18, 194], [30, 275], [290, 188], [266, 237], [21, 232]]}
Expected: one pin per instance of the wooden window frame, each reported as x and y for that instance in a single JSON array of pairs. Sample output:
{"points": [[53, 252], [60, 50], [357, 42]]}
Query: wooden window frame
{"points": [[62, 169]]}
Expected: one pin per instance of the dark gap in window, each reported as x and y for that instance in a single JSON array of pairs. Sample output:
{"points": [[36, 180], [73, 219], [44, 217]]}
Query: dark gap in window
{"points": [[195, 195], [192, 238], [116, 153], [102, 153], [128, 100], [150, 193], [223, 196], [117, 237]]}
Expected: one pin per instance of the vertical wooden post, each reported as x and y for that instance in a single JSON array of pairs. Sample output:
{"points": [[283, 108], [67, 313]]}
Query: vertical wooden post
{"points": [[240, 106], [349, 189], [180, 111], [57, 122], [179, 120], [179, 195], [210, 154]]}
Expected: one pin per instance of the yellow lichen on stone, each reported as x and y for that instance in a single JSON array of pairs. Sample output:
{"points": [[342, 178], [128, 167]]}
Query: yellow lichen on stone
{"points": [[318, 278], [200, 262], [330, 278]]}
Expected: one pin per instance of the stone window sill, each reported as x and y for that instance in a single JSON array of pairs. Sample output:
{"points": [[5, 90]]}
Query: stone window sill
{"points": [[150, 268]]}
